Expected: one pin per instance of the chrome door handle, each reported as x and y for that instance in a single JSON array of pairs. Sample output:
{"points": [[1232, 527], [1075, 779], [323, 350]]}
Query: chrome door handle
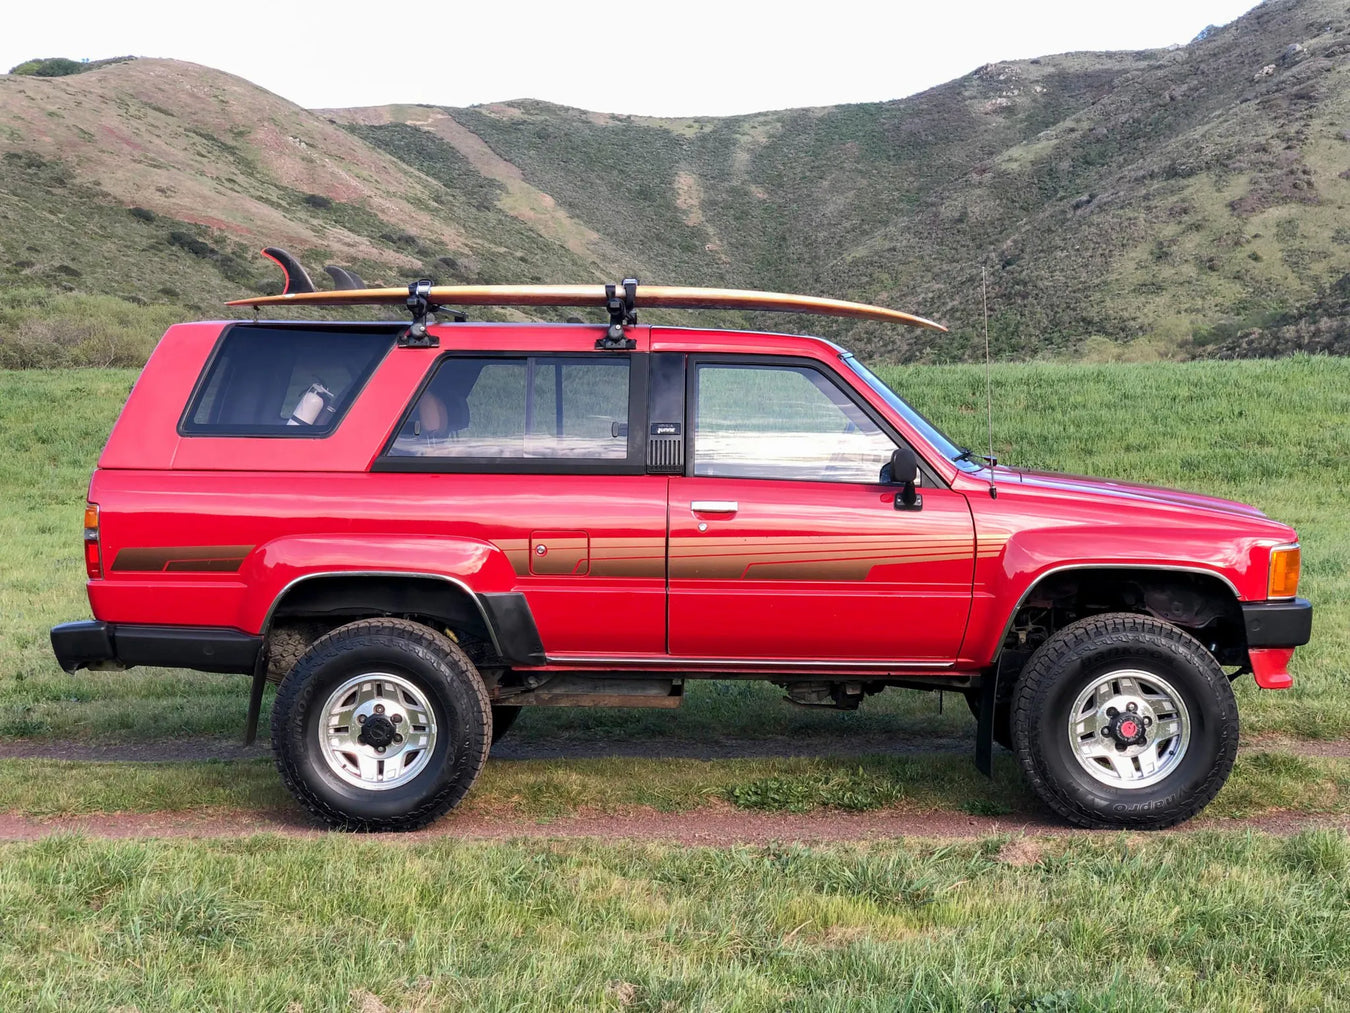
{"points": [[714, 506]]}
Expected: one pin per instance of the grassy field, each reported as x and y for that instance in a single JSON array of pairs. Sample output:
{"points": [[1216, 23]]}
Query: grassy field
{"points": [[1206, 921], [1224, 920], [1268, 432]]}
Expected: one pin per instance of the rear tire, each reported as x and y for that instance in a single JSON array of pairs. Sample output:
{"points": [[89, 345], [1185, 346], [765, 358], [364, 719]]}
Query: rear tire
{"points": [[1123, 721], [383, 724]]}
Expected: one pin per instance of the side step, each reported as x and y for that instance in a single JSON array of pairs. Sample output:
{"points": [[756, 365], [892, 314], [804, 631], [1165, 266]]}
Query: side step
{"points": [[592, 691]]}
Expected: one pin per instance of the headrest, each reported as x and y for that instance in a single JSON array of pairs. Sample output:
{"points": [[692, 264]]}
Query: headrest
{"points": [[431, 415], [437, 418]]}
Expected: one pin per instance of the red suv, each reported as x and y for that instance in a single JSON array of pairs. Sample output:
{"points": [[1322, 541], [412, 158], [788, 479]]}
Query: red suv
{"points": [[418, 531]]}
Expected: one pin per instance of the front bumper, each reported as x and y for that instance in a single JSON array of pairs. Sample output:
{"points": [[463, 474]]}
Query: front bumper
{"points": [[1278, 623], [1274, 629], [92, 643]]}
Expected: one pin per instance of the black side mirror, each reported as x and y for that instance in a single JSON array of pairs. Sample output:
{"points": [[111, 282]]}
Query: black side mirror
{"points": [[905, 472]]}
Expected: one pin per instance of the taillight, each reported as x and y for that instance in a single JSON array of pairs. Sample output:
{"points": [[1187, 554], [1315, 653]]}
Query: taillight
{"points": [[93, 560], [1284, 567]]}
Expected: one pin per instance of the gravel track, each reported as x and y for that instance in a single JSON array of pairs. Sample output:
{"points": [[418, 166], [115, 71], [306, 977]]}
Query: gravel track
{"points": [[716, 825], [198, 749]]}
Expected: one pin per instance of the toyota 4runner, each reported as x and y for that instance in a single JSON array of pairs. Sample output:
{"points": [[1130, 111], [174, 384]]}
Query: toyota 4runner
{"points": [[419, 531]]}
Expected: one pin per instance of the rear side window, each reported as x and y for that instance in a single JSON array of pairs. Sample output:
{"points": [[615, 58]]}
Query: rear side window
{"points": [[540, 407], [283, 381]]}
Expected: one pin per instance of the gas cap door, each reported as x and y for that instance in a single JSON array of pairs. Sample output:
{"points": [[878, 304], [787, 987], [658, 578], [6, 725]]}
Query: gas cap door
{"points": [[560, 553]]}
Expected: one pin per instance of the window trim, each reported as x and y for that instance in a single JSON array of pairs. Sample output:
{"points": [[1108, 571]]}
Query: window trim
{"points": [[634, 463], [190, 430], [931, 479]]}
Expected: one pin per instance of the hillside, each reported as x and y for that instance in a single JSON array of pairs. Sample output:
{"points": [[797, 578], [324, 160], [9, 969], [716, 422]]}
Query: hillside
{"points": [[1171, 202]]}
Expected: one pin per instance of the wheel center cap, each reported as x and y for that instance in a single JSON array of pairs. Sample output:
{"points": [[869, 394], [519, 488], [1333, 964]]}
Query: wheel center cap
{"points": [[377, 731], [1127, 729]]}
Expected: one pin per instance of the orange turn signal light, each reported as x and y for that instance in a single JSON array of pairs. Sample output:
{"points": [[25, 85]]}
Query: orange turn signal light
{"points": [[1284, 567], [93, 555]]}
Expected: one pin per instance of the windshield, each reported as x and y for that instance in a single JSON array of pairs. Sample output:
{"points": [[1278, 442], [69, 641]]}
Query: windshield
{"points": [[930, 432]]}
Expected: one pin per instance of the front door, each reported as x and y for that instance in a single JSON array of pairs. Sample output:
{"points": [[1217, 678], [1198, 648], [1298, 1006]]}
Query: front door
{"points": [[784, 543]]}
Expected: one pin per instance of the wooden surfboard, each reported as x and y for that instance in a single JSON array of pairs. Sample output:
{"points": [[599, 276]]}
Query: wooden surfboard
{"points": [[651, 296]]}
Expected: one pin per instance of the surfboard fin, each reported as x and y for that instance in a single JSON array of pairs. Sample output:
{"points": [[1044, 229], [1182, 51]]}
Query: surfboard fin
{"points": [[344, 280], [297, 280]]}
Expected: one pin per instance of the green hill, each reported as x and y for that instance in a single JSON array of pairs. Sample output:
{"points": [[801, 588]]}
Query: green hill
{"points": [[1182, 202]]}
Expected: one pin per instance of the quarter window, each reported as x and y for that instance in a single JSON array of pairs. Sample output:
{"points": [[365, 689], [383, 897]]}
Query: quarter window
{"points": [[283, 381], [526, 407], [784, 422]]}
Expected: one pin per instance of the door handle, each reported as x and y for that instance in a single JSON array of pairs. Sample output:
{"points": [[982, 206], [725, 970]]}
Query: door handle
{"points": [[714, 506]]}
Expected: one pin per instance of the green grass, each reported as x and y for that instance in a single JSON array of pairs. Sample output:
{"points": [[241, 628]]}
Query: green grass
{"points": [[1262, 782], [1268, 432], [1207, 921]]}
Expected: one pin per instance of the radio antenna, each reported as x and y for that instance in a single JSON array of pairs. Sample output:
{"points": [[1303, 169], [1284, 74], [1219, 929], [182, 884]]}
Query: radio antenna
{"points": [[988, 381]]}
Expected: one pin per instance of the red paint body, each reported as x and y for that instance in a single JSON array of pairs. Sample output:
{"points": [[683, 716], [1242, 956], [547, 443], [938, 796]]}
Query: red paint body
{"points": [[638, 585]]}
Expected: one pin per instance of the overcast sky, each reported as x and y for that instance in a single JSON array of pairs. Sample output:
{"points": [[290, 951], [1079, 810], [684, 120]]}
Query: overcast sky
{"points": [[695, 57]]}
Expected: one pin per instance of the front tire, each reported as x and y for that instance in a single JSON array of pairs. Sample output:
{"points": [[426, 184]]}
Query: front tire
{"points": [[1123, 721], [383, 724]]}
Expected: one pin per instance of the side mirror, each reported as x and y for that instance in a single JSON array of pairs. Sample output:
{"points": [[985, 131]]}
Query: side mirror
{"points": [[904, 466], [905, 472]]}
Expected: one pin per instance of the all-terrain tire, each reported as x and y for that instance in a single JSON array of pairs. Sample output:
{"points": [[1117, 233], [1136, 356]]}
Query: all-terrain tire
{"points": [[1091, 654], [503, 717], [286, 645], [433, 671]]}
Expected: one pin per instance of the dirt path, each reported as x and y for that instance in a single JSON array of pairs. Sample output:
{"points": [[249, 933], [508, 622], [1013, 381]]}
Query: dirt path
{"points": [[717, 825], [197, 749]]}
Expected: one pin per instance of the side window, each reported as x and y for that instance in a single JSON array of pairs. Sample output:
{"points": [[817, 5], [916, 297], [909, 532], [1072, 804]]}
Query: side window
{"points": [[785, 422], [283, 381], [526, 407]]}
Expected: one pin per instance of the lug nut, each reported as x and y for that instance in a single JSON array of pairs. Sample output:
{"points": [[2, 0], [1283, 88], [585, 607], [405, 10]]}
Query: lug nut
{"points": [[379, 708], [396, 718], [398, 738], [360, 719], [1111, 712], [1132, 707], [379, 749]]}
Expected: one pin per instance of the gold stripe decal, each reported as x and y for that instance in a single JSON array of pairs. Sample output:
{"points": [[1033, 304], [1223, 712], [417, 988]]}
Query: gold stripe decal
{"points": [[183, 559]]}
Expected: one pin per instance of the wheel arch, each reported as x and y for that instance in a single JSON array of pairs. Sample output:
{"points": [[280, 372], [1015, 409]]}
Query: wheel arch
{"points": [[1192, 588], [502, 619]]}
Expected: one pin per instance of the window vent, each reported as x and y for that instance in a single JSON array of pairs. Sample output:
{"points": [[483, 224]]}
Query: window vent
{"points": [[665, 455]]}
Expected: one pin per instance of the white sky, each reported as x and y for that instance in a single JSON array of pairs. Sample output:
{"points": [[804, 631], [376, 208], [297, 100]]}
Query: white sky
{"points": [[694, 57]]}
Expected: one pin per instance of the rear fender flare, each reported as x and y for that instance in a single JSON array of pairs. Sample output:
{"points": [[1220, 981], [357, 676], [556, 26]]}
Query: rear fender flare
{"points": [[473, 566]]}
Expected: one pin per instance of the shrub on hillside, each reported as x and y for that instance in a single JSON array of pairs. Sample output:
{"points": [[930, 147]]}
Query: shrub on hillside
{"points": [[40, 329], [55, 66], [59, 66]]}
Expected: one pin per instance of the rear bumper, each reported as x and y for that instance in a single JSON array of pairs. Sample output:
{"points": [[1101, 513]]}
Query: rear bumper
{"points": [[205, 648], [1278, 623]]}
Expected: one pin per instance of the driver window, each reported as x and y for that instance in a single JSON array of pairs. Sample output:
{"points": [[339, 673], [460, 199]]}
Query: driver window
{"points": [[784, 422]]}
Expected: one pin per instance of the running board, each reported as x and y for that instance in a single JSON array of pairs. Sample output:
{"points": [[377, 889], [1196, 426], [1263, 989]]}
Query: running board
{"points": [[592, 691]]}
